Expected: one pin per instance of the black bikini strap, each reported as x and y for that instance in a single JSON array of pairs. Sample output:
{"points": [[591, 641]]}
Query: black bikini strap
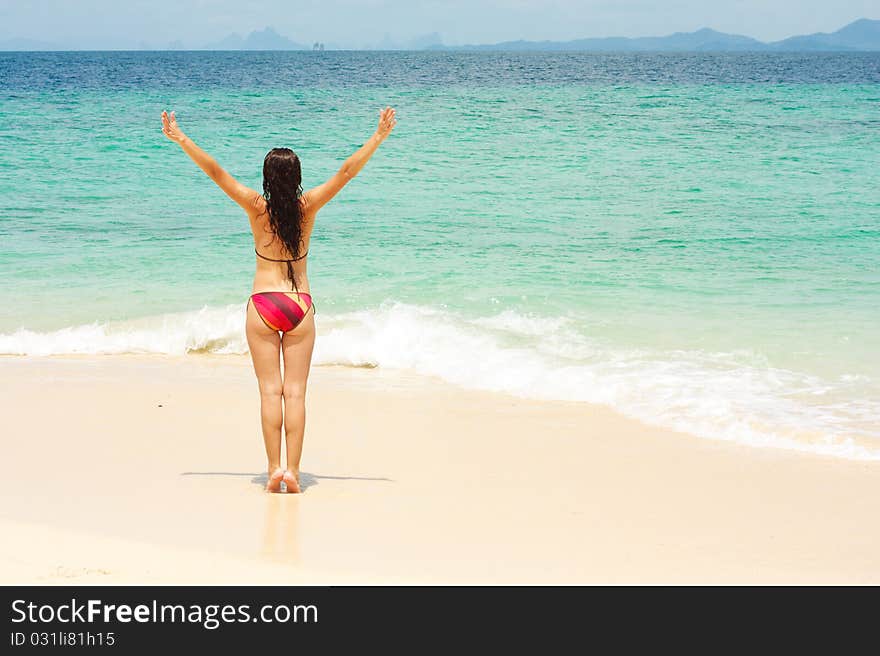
{"points": [[269, 259]]}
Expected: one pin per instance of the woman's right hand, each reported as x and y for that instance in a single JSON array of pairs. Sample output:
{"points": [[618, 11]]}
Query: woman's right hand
{"points": [[387, 121]]}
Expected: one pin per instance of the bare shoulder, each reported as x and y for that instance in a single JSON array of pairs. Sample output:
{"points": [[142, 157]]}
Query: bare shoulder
{"points": [[309, 206], [257, 204], [308, 200], [257, 212]]}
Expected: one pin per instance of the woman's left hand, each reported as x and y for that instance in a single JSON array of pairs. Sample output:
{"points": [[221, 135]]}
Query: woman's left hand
{"points": [[170, 128]]}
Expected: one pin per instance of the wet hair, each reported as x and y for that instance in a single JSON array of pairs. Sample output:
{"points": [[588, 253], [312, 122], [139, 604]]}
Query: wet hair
{"points": [[282, 189]]}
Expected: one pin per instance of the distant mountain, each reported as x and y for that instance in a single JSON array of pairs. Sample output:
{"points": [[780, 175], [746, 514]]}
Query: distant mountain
{"points": [[231, 42], [387, 42], [863, 34], [266, 39], [860, 35], [701, 40], [269, 39]]}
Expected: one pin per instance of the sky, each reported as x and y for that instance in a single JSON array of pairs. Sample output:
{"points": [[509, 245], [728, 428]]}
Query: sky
{"points": [[359, 23]]}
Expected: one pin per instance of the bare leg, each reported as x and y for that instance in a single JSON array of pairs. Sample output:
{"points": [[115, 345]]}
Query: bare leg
{"points": [[265, 348], [297, 348]]}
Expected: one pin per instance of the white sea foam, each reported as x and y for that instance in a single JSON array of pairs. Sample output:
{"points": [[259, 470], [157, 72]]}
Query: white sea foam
{"points": [[217, 330], [729, 396]]}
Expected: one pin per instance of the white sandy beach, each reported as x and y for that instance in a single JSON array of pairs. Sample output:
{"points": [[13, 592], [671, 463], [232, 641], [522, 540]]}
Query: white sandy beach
{"points": [[136, 469]]}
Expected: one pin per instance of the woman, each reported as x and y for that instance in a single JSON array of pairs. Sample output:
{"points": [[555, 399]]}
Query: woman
{"points": [[280, 313]]}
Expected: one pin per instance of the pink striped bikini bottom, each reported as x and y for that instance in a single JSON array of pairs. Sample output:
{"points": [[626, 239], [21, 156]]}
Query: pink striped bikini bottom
{"points": [[282, 311]]}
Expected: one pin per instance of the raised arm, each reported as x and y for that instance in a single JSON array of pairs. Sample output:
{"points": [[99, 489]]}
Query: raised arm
{"points": [[246, 197], [317, 197]]}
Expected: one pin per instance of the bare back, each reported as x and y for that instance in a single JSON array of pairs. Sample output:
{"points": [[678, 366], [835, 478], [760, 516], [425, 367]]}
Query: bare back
{"points": [[272, 276]]}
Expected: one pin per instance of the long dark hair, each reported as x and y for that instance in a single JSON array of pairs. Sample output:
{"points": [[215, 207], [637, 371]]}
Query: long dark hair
{"points": [[282, 189]]}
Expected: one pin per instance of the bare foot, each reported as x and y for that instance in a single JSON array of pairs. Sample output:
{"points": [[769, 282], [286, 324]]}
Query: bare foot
{"points": [[275, 478], [291, 479]]}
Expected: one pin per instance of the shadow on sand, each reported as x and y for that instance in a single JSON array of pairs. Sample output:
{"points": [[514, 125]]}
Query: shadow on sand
{"points": [[306, 480]]}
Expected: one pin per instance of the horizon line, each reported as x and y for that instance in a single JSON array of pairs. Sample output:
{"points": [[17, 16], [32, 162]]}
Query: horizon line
{"points": [[434, 46], [465, 51]]}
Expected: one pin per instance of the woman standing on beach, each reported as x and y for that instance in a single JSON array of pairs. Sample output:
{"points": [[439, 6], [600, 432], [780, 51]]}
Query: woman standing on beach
{"points": [[280, 314]]}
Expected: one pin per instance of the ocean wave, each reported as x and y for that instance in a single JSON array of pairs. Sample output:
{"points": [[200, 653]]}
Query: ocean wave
{"points": [[214, 330], [735, 396]]}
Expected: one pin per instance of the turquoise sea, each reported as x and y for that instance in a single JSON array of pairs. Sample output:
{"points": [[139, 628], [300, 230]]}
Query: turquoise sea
{"points": [[691, 239]]}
